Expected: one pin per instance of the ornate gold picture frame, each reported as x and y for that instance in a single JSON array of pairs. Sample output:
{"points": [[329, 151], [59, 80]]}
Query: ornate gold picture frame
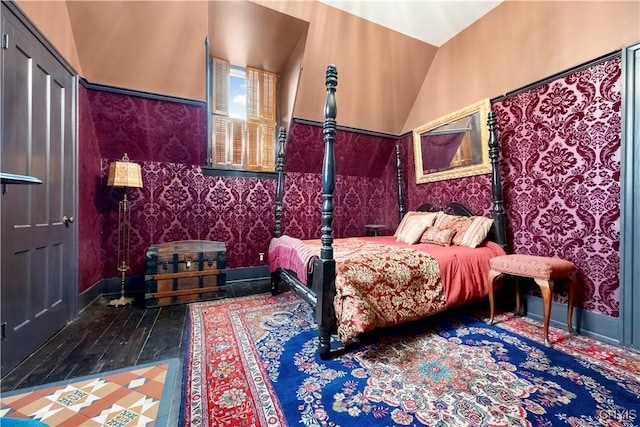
{"points": [[453, 146]]}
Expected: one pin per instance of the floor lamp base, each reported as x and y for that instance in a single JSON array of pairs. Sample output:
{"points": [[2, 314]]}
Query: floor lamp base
{"points": [[121, 301]]}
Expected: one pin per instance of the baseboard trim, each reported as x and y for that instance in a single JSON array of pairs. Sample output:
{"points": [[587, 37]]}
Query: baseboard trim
{"points": [[136, 285], [132, 285], [89, 295], [594, 325], [242, 274]]}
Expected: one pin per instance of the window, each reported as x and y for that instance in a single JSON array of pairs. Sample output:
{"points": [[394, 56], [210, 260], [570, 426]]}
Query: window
{"points": [[244, 118]]}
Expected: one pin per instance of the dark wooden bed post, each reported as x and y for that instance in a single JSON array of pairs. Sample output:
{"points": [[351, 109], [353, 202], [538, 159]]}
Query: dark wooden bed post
{"points": [[496, 186], [325, 267], [207, 96], [401, 207], [277, 229]]}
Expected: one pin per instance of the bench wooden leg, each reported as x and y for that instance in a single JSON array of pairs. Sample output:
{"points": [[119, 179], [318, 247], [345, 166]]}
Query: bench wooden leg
{"points": [[492, 276], [517, 309], [546, 287], [572, 283]]}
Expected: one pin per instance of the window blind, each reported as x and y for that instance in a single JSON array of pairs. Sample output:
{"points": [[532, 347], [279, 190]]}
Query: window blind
{"points": [[240, 144]]}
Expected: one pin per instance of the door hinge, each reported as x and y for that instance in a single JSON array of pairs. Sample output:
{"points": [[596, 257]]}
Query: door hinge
{"points": [[3, 330], [5, 40]]}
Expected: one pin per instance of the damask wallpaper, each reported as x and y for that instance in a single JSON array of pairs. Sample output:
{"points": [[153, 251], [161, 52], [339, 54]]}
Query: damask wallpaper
{"points": [[560, 170], [178, 202], [91, 261], [356, 153]]}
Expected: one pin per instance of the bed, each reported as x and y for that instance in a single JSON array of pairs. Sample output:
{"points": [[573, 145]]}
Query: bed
{"points": [[359, 284]]}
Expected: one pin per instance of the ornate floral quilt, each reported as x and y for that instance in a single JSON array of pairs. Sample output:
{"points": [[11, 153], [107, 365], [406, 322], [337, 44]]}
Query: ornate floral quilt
{"points": [[382, 285]]}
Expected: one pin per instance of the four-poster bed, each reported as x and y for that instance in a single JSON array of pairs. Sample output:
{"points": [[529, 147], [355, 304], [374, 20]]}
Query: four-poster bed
{"points": [[357, 284]]}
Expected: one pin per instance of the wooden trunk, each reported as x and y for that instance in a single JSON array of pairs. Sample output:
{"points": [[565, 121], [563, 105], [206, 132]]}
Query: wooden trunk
{"points": [[185, 271]]}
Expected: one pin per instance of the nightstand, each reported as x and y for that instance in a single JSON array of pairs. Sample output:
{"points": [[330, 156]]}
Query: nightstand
{"points": [[373, 229]]}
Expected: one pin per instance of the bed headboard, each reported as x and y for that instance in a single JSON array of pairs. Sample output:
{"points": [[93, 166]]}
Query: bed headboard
{"points": [[452, 208]]}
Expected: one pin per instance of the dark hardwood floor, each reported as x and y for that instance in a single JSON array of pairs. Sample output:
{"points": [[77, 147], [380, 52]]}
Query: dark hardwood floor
{"points": [[103, 338]]}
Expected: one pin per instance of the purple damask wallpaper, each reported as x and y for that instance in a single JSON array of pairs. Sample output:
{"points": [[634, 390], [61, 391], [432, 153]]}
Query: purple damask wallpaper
{"points": [[560, 167], [560, 170], [178, 202], [356, 153], [365, 169], [91, 260]]}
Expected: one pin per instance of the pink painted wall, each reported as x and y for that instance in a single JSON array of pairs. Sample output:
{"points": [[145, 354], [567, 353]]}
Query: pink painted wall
{"points": [[560, 169]]}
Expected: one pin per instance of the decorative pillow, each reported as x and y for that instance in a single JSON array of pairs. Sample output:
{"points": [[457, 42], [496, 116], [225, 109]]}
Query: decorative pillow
{"points": [[459, 224], [469, 230], [437, 236], [414, 226], [477, 231], [428, 218]]}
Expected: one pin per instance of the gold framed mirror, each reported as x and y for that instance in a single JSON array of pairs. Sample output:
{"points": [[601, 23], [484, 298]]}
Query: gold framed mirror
{"points": [[453, 146]]}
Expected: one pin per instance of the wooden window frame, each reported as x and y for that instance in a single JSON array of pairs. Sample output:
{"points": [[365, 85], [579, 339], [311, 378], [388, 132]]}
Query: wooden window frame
{"points": [[255, 151]]}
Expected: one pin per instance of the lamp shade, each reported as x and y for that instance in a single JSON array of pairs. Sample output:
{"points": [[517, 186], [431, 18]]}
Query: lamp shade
{"points": [[123, 173]]}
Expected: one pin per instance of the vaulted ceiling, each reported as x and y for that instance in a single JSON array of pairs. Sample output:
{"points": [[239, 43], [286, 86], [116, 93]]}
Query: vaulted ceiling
{"points": [[401, 64], [431, 21]]}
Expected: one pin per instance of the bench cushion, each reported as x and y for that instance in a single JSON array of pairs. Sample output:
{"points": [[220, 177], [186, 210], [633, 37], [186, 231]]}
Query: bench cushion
{"points": [[537, 267]]}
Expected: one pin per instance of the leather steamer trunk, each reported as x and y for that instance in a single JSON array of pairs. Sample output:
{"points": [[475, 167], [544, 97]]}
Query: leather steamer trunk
{"points": [[185, 271]]}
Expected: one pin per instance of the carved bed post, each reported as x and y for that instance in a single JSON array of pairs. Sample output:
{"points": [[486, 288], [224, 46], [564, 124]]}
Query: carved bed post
{"points": [[401, 207], [277, 229], [325, 266], [496, 186], [208, 74]]}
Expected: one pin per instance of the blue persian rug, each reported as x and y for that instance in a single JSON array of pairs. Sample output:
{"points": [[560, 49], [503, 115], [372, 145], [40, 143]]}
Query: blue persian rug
{"points": [[253, 361]]}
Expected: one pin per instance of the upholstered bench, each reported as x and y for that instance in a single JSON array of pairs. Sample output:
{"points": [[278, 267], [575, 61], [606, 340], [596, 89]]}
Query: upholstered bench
{"points": [[544, 271]]}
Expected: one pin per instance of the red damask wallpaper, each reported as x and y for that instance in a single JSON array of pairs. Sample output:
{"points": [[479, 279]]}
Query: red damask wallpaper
{"points": [[356, 154], [560, 169], [365, 193], [91, 262], [178, 202]]}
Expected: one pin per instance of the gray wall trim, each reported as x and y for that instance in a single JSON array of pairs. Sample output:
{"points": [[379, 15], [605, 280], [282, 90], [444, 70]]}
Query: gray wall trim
{"points": [[348, 129], [88, 296], [74, 261], [556, 76], [140, 93], [136, 285], [247, 273], [588, 323], [630, 199], [211, 171], [15, 9]]}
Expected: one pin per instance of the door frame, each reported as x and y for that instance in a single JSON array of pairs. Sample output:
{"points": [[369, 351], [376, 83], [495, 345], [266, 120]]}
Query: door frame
{"points": [[72, 288], [629, 331]]}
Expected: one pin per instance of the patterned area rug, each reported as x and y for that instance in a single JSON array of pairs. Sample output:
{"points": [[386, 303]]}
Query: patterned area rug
{"points": [[138, 396], [253, 361]]}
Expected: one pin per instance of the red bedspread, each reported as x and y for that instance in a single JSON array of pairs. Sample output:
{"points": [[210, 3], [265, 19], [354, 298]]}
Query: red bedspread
{"points": [[380, 282]]}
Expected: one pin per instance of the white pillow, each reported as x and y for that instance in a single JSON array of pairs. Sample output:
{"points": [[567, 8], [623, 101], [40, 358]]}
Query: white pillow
{"points": [[413, 227], [429, 217], [477, 231]]}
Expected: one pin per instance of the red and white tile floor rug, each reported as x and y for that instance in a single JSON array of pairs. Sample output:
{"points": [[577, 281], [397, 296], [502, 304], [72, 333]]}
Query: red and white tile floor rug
{"points": [[136, 396]]}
